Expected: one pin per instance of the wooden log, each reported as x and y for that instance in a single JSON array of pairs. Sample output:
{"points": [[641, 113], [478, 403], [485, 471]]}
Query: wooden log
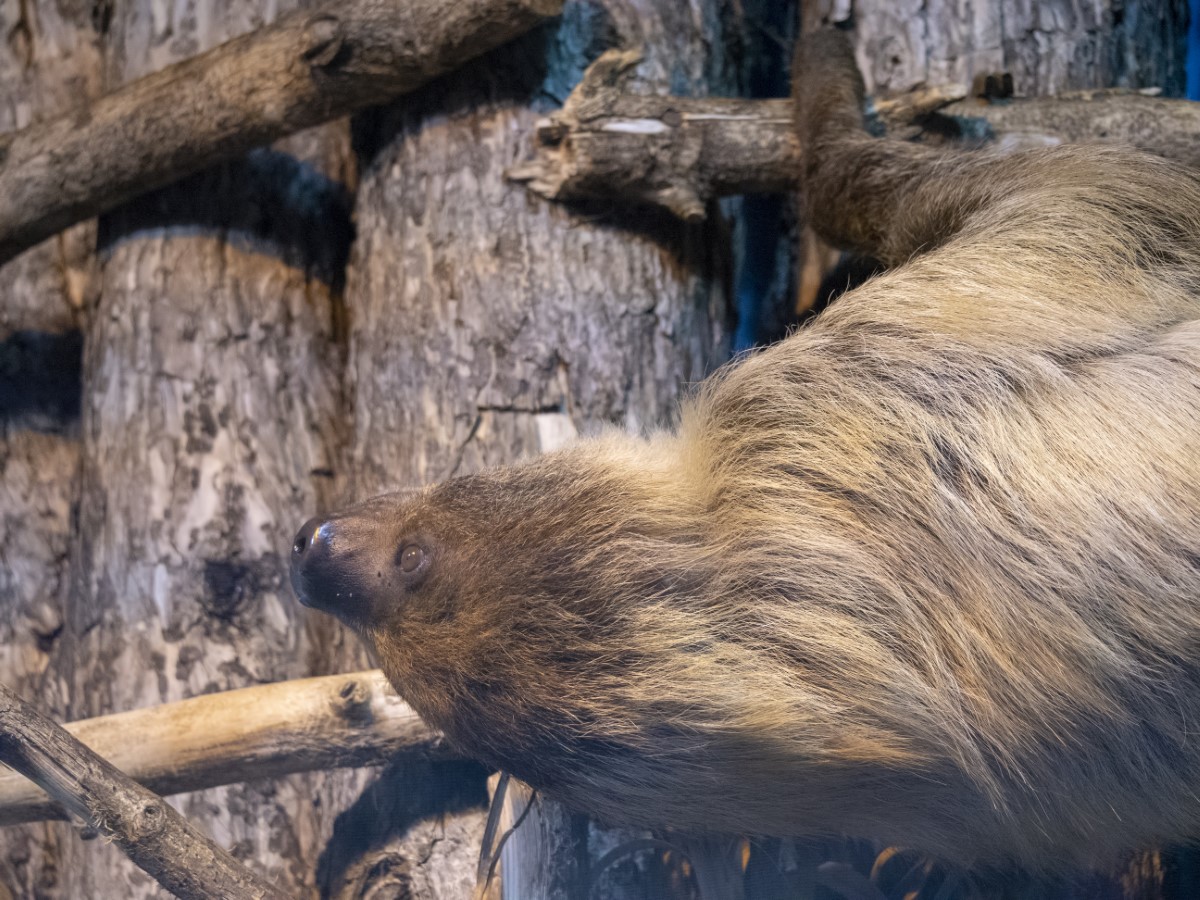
{"points": [[308, 68], [149, 830], [679, 153], [274, 729]]}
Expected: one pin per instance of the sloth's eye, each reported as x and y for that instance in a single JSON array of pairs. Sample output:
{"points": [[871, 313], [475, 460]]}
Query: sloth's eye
{"points": [[411, 558]]}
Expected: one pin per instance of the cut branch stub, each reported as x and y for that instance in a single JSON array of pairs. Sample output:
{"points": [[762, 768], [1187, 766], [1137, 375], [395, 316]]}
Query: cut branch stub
{"points": [[661, 151], [679, 153]]}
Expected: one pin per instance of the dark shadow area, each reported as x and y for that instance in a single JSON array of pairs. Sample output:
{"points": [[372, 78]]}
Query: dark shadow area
{"points": [[851, 272], [40, 380], [268, 202], [767, 236], [405, 793]]}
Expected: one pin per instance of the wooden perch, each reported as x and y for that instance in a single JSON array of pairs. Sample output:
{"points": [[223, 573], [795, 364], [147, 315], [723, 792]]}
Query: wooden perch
{"points": [[258, 732], [150, 831], [310, 67], [679, 152]]}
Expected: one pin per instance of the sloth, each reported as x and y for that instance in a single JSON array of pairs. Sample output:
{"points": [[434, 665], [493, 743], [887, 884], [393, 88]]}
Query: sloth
{"points": [[927, 571]]}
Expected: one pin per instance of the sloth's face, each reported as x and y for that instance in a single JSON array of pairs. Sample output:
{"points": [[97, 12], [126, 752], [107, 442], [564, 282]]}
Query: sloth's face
{"points": [[360, 563], [491, 597], [400, 563], [480, 558]]}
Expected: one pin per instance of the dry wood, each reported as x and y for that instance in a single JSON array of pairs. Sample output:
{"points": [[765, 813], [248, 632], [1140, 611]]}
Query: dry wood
{"points": [[150, 831], [679, 152], [275, 729], [310, 67]]}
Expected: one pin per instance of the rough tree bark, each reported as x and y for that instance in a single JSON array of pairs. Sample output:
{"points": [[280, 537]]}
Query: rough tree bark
{"points": [[209, 429], [50, 60], [487, 325], [155, 836], [1049, 46]]}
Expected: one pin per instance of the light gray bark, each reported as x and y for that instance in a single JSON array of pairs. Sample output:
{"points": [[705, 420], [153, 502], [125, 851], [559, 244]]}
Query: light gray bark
{"points": [[1048, 46], [209, 430]]}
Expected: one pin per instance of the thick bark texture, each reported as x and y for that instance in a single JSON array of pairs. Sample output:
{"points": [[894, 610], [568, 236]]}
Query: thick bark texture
{"points": [[49, 61], [488, 326], [209, 429], [311, 67]]}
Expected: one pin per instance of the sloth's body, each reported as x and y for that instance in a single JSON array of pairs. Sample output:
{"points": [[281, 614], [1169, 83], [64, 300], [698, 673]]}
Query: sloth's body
{"points": [[927, 571]]}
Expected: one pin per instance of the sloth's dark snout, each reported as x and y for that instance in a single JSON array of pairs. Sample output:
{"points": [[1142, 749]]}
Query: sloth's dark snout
{"points": [[313, 570], [329, 557]]}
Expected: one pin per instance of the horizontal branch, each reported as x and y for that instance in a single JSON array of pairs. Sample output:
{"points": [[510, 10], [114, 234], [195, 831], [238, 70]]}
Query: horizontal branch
{"points": [[310, 67], [258, 732], [679, 153], [152, 833]]}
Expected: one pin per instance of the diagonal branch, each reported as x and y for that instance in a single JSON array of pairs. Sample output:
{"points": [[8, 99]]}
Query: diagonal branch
{"points": [[151, 832], [679, 153], [308, 724], [308, 68]]}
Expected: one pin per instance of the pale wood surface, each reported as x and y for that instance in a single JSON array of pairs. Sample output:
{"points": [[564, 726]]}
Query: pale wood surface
{"points": [[309, 724]]}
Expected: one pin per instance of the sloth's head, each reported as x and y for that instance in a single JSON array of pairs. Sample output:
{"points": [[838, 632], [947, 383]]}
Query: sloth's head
{"points": [[516, 589], [572, 530]]}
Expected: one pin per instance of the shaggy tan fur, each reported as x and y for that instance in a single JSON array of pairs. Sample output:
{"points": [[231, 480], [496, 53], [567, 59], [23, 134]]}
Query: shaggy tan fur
{"points": [[928, 571]]}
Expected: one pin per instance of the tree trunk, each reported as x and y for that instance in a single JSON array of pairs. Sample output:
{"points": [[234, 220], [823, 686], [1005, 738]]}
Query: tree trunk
{"points": [[210, 407], [49, 62], [489, 326]]}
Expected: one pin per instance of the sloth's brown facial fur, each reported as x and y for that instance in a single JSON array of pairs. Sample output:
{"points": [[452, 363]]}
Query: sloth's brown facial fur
{"points": [[928, 571]]}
